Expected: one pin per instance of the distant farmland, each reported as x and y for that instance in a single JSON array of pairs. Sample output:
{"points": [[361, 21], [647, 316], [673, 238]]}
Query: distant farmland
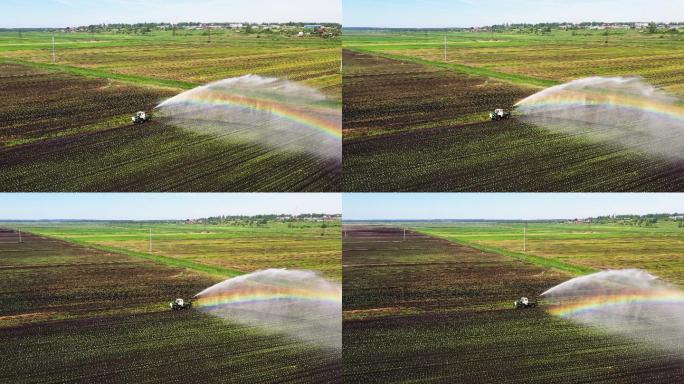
{"points": [[81, 314], [426, 309], [68, 126], [413, 122], [230, 249], [655, 248]]}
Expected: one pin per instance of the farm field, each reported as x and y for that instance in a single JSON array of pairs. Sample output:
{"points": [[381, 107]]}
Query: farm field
{"points": [[426, 309], [415, 123], [228, 249], [69, 129], [384, 96], [657, 249], [554, 57], [79, 314]]}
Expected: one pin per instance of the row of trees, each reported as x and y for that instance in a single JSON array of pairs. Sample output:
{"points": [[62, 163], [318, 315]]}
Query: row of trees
{"points": [[641, 220], [260, 220], [184, 27]]}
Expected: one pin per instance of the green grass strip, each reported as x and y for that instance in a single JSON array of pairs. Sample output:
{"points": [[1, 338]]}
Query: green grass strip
{"points": [[93, 72], [170, 261], [468, 70], [573, 269]]}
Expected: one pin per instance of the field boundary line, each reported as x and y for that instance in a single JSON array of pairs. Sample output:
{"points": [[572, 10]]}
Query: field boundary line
{"points": [[166, 260], [98, 73], [466, 69], [573, 269]]}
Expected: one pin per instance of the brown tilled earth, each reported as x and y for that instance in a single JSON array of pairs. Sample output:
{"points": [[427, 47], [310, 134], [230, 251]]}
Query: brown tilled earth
{"points": [[73, 314], [429, 310], [413, 127], [383, 95]]}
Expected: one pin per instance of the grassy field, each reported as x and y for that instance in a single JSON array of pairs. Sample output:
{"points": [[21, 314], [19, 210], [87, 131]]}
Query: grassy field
{"points": [[657, 249], [554, 57], [413, 121], [62, 114], [230, 249], [424, 309], [83, 312]]}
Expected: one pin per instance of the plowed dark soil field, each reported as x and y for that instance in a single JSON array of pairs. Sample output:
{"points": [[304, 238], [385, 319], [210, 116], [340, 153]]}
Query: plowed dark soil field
{"points": [[412, 127], [386, 96], [73, 314], [428, 310], [63, 132]]}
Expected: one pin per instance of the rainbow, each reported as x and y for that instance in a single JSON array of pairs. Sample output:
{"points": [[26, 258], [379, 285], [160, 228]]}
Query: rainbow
{"points": [[596, 303], [591, 98], [311, 116], [268, 294]]}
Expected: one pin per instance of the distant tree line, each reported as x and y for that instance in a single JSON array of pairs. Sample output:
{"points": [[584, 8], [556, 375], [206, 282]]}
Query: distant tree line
{"points": [[261, 220], [641, 220], [289, 28]]}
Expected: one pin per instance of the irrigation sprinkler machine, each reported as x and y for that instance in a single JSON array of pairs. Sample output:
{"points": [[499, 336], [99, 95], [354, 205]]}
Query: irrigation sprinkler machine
{"points": [[141, 117], [524, 303], [180, 304], [499, 114]]}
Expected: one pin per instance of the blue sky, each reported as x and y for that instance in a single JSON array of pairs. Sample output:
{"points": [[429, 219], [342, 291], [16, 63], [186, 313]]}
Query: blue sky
{"points": [[63, 13], [156, 206], [468, 13], [512, 206]]}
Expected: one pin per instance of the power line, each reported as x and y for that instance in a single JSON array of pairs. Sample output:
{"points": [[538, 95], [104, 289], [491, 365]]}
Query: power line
{"points": [[54, 59], [525, 237]]}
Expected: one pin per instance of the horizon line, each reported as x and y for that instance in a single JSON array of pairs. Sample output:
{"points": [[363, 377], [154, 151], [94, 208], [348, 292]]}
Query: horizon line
{"points": [[180, 22], [516, 23]]}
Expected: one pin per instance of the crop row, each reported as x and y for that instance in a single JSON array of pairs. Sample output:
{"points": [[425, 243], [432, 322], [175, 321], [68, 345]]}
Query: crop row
{"points": [[202, 63], [415, 139], [510, 156], [44, 103], [74, 314], [234, 247], [424, 309], [62, 139], [384, 95], [560, 55]]}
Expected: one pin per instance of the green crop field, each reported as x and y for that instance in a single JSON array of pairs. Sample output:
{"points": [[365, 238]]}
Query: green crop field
{"points": [[656, 248], [87, 302], [416, 122], [68, 125], [545, 59], [230, 249], [421, 308]]}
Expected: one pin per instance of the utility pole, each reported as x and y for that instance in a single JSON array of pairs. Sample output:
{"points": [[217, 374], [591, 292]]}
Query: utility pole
{"points": [[53, 48], [20, 241], [150, 247], [404, 234], [525, 237]]}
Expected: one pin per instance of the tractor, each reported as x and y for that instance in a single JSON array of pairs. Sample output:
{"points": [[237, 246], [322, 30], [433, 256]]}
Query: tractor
{"points": [[499, 114], [141, 117], [524, 303], [180, 304]]}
